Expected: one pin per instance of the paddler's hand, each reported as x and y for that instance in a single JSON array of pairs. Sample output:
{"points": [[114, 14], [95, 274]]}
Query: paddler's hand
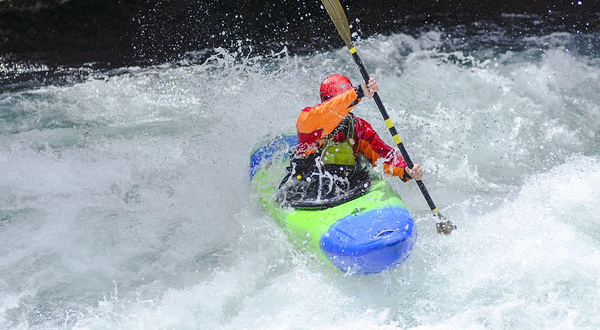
{"points": [[371, 88], [416, 172]]}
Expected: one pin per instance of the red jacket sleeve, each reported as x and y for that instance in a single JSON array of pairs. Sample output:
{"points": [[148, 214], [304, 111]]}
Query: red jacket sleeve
{"points": [[371, 145]]}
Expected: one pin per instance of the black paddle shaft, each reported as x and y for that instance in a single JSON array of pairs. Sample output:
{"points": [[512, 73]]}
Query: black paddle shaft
{"points": [[392, 129]]}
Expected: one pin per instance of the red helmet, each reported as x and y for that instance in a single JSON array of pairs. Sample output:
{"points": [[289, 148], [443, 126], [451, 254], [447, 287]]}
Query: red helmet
{"points": [[334, 85]]}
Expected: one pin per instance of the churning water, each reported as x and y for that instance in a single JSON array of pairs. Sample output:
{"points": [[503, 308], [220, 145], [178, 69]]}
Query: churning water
{"points": [[125, 202]]}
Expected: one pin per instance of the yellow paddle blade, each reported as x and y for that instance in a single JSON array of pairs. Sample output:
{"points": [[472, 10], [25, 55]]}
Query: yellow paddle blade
{"points": [[336, 12]]}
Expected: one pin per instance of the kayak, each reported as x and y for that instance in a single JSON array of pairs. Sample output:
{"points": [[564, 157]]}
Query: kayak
{"points": [[364, 235]]}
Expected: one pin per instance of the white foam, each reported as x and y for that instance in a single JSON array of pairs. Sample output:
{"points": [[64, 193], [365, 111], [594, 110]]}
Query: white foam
{"points": [[124, 200]]}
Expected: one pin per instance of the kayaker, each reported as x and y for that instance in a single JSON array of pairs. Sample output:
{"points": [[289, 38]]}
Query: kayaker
{"points": [[327, 167]]}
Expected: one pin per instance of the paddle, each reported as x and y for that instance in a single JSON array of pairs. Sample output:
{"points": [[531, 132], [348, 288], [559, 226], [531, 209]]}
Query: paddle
{"points": [[336, 12]]}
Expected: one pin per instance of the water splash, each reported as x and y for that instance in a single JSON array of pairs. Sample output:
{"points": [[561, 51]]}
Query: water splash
{"points": [[124, 200]]}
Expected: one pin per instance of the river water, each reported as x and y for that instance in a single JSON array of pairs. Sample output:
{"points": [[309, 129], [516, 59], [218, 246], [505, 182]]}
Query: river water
{"points": [[125, 202]]}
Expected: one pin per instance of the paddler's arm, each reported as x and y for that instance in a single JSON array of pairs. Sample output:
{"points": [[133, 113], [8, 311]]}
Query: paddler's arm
{"points": [[371, 145], [327, 115]]}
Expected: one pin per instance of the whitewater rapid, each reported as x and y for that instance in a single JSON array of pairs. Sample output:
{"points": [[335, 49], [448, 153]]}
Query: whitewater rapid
{"points": [[125, 202]]}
